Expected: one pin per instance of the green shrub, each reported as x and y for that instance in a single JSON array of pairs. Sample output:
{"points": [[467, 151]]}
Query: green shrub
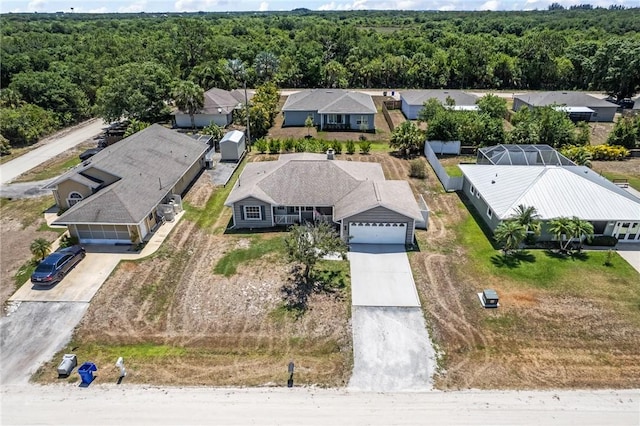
{"points": [[288, 145], [5, 148], [417, 169], [350, 147], [608, 152], [311, 145], [261, 145], [300, 145], [365, 147], [337, 146], [274, 146], [68, 241], [324, 145], [602, 241]]}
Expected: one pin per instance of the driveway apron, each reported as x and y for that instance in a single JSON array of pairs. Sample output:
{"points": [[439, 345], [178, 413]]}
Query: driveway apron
{"points": [[392, 350]]}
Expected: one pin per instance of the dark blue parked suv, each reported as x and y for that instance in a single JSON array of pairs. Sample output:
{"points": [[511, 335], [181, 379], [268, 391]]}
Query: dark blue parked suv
{"points": [[55, 266]]}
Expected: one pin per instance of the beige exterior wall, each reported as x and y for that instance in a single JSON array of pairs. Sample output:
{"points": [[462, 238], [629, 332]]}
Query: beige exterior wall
{"points": [[67, 187], [187, 178]]}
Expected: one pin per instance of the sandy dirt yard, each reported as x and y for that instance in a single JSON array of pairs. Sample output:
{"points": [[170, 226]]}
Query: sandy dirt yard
{"points": [[19, 224], [176, 322]]}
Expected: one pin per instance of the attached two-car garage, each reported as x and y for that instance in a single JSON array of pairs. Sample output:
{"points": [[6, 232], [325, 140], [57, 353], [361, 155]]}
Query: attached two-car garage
{"points": [[377, 232]]}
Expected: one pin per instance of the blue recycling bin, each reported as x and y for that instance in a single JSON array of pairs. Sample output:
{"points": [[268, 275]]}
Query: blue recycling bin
{"points": [[86, 372]]}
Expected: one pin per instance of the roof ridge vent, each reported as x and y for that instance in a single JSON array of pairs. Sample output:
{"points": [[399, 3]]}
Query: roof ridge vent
{"points": [[375, 191]]}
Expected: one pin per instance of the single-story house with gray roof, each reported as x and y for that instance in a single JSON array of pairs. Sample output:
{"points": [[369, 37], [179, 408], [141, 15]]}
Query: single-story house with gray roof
{"points": [[123, 192], [580, 106], [412, 101], [218, 108], [302, 188], [330, 109], [556, 188]]}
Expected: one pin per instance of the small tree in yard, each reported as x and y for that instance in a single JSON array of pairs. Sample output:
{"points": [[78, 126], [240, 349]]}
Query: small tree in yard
{"points": [[407, 138], [40, 247], [308, 123], [306, 244], [510, 234], [528, 217], [417, 169]]}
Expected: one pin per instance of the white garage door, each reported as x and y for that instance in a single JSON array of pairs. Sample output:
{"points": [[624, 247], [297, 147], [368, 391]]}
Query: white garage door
{"points": [[377, 233]]}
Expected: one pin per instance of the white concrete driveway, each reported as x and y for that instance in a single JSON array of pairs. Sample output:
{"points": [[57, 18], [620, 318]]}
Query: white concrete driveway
{"points": [[80, 285], [392, 350], [381, 276], [631, 253]]}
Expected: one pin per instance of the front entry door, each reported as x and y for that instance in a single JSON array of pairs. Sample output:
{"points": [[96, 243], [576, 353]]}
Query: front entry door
{"points": [[627, 231]]}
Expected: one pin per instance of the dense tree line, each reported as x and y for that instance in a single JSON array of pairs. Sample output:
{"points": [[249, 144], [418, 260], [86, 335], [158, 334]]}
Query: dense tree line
{"points": [[61, 68]]}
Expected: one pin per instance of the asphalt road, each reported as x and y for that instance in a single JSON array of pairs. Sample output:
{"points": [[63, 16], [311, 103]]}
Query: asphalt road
{"points": [[149, 405], [50, 147]]}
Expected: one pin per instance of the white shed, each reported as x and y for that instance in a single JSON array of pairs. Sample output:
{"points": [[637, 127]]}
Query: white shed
{"points": [[232, 146]]}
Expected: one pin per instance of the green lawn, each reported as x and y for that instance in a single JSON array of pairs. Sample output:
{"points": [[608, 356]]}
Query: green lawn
{"points": [[259, 247], [53, 170], [634, 181], [453, 170]]}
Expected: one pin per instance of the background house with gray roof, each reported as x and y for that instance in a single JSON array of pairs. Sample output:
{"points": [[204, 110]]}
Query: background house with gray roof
{"points": [[556, 188], [580, 106], [302, 188], [218, 108], [330, 109], [412, 101], [122, 192]]}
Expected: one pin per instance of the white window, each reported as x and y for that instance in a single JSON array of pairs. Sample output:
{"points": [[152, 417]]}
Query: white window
{"points": [[74, 198], [362, 119], [489, 212], [252, 213], [334, 118]]}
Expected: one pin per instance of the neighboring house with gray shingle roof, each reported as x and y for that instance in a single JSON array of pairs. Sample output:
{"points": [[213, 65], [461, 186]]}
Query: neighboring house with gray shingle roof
{"points": [[218, 108], [122, 191], [412, 101], [309, 187], [331, 109], [580, 106]]}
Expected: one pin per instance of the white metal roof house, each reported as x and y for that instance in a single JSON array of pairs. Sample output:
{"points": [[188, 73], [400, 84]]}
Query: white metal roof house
{"points": [[218, 108], [122, 192], [555, 190], [580, 106], [232, 146], [309, 187], [412, 101], [330, 109]]}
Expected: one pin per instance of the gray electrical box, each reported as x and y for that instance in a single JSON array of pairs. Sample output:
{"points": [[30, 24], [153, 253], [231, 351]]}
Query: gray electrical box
{"points": [[68, 363]]}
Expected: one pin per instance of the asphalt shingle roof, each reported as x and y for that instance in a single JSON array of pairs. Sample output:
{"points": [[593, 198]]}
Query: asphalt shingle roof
{"points": [[419, 97], [147, 164], [571, 99], [330, 101], [312, 180]]}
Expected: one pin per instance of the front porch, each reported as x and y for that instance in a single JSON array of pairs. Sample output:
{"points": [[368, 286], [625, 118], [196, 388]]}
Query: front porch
{"points": [[290, 215]]}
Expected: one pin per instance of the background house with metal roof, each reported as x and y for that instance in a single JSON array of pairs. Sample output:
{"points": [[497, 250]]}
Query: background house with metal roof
{"points": [[580, 106], [330, 109], [123, 192], [412, 101], [556, 190], [302, 188]]}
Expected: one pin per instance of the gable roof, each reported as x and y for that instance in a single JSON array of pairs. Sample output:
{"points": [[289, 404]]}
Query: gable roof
{"points": [[217, 98], [148, 164], [570, 99], [238, 95], [553, 190], [330, 101], [234, 136], [312, 180], [394, 195], [419, 97]]}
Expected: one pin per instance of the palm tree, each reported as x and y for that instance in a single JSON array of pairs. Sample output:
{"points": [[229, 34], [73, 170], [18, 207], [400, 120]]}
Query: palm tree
{"points": [[528, 217], [582, 230], [407, 137], [510, 234], [189, 97], [563, 230], [266, 64], [40, 247], [214, 130]]}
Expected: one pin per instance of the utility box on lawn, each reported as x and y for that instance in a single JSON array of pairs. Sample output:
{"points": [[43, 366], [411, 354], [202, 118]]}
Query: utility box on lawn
{"points": [[68, 363], [490, 298]]}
